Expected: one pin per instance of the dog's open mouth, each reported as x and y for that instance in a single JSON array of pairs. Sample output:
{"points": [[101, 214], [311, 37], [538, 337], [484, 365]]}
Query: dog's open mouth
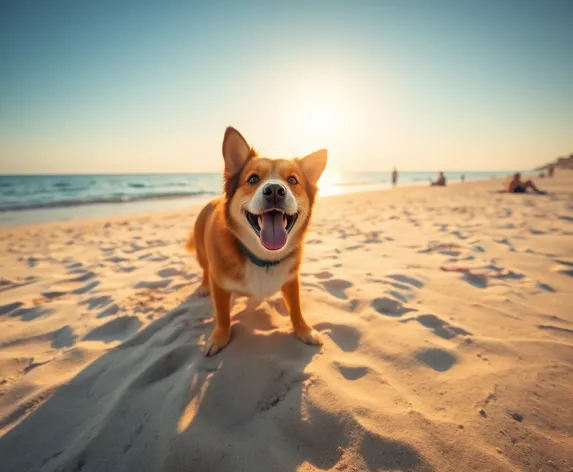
{"points": [[272, 227]]}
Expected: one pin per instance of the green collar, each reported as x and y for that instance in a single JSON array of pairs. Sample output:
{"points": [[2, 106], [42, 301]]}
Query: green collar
{"points": [[259, 262]]}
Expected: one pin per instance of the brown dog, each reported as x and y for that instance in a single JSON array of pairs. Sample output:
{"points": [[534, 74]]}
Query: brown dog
{"points": [[249, 242]]}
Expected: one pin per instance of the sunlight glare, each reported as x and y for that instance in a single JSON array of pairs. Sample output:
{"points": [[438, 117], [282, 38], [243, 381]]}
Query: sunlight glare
{"points": [[317, 117], [328, 183]]}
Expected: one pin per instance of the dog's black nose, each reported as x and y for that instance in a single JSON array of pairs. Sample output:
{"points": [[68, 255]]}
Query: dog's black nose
{"points": [[274, 193]]}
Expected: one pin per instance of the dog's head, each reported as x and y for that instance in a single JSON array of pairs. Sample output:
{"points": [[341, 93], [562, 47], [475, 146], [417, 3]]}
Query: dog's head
{"points": [[268, 201]]}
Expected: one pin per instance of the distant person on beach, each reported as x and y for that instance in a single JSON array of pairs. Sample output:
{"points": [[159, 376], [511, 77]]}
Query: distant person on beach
{"points": [[394, 177], [551, 171], [463, 178], [440, 181], [516, 185]]}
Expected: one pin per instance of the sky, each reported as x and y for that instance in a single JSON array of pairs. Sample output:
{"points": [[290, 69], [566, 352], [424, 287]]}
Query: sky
{"points": [[138, 86]]}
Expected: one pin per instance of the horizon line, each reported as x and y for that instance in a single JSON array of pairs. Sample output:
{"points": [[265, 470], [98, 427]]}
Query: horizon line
{"points": [[49, 174]]}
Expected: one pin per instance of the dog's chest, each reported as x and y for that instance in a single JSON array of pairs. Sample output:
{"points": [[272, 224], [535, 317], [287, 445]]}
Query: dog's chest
{"points": [[262, 282]]}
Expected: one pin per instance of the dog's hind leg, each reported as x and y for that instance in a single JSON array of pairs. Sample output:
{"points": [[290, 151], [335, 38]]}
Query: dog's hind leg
{"points": [[203, 289], [221, 334]]}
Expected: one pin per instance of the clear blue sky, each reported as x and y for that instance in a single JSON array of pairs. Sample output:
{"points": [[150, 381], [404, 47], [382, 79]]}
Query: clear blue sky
{"points": [[126, 86]]}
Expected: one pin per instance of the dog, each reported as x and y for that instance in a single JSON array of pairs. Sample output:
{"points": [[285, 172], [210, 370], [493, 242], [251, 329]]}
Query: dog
{"points": [[249, 241]]}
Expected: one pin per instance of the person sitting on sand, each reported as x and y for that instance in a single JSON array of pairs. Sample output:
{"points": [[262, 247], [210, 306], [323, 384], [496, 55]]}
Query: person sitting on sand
{"points": [[516, 185], [440, 181]]}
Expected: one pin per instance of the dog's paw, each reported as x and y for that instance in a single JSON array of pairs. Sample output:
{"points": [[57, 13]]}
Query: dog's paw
{"points": [[308, 336], [202, 291], [217, 342]]}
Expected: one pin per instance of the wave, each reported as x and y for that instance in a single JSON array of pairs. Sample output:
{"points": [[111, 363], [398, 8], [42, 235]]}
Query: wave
{"points": [[100, 200]]}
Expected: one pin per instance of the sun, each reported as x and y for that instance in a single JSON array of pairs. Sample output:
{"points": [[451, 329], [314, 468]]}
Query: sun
{"points": [[317, 117]]}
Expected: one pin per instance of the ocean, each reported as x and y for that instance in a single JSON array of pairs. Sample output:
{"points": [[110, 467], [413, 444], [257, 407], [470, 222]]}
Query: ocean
{"points": [[26, 199]]}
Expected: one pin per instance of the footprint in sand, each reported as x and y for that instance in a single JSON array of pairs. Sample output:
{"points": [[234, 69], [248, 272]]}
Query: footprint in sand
{"points": [[133, 248], [118, 329], [459, 235], [83, 277], [452, 250], [157, 257], [545, 287], [86, 288], [439, 327], [555, 318], [352, 372], [406, 279], [389, 307], [353, 305], [564, 270], [566, 262], [505, 242], [556, 329], [64, 337], [374, 238], [386, 282], [170, 272], [155, 284], [400, 296], [346, 338], [6, 309], [109, 311], [74, 265], [478, 281], [52, 294], [116, 259], [97, 302], [354, 247], [437, 359], [337, 287], [33, 261], [29, 314]]}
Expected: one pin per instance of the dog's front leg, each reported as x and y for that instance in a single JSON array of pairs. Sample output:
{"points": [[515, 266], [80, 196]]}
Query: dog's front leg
{"points": [[221, 335], [291, 294]]}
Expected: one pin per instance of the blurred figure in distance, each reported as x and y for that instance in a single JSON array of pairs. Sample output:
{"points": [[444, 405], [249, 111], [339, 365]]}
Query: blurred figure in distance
{"points": [[394, 177]]}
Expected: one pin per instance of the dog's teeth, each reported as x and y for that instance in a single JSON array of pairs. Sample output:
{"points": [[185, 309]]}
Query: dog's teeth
{"points": [[260, 222], [285, 221]]}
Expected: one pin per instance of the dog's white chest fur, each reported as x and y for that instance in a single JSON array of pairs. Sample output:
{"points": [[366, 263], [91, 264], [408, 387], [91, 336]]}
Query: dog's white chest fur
{"points": [[260, 282]]}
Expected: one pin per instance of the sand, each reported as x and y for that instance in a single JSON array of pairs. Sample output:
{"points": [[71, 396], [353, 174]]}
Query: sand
{"points": [[422, 368]]}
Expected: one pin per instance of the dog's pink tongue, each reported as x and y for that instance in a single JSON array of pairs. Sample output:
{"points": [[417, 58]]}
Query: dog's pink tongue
{"points": [[273, 232]]}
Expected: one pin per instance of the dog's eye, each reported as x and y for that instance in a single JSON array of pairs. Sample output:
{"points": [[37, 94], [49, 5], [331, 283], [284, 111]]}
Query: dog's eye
{"points": [[253, 179], [292, 180]]}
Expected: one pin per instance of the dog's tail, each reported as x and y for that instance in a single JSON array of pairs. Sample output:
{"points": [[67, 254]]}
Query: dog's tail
{"points": [[190, 243]]}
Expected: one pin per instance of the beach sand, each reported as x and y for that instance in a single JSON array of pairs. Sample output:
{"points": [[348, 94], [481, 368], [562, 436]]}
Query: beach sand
{"points": [[422, 368]]}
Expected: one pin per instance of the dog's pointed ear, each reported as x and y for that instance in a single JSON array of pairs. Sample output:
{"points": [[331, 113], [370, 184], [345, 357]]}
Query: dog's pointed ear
{"points": [[313, 165], [236, 150]]}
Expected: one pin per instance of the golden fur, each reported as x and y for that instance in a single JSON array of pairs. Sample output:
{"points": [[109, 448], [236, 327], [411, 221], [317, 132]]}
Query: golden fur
{"points": [[222, 226]]}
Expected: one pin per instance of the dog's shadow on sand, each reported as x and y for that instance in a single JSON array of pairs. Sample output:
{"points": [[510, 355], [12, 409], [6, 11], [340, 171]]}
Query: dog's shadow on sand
{"points": [[155, 403]]}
